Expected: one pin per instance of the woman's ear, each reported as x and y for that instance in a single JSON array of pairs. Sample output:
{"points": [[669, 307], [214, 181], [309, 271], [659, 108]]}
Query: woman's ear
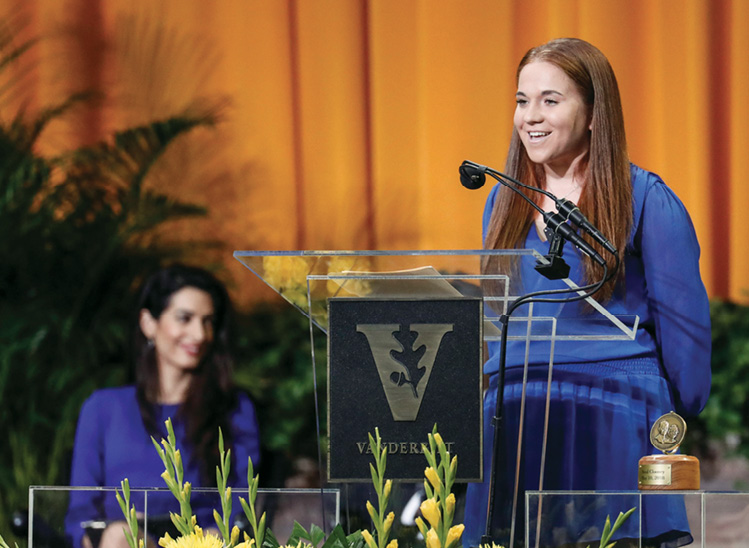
{"points": [[147, 323]]}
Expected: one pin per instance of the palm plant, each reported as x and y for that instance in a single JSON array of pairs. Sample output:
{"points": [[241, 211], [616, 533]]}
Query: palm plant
{"points": [[78, 231]]}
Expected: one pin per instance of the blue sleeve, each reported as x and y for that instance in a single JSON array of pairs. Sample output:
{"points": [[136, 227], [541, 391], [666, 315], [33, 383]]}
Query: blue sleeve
{"points": [[86, 470], [676, 296], [246, 437]]}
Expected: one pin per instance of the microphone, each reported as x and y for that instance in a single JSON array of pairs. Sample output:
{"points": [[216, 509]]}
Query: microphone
{"points": [[472, 176], [558, 225], [570, 211]]}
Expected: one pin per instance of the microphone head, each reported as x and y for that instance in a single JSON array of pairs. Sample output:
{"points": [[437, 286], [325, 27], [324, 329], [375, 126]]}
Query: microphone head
{"points": [[471, 177]]}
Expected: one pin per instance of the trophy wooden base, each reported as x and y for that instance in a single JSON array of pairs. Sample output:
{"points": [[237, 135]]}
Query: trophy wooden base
{"points": [[668, 472]]}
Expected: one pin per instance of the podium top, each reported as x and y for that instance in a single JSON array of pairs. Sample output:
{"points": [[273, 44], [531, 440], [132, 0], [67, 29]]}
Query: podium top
{"points": [[307, 279]]}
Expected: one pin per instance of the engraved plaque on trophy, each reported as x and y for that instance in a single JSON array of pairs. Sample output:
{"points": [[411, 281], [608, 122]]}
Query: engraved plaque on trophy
{"points": [[668, 471]]}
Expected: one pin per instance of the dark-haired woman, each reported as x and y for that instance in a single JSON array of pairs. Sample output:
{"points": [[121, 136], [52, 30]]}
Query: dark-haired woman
{"points": [[569, 139], [183, 371]]}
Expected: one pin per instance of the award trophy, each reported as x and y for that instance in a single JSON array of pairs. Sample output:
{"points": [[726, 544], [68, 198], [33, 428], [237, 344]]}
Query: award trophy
{"points": [[668, 471]]}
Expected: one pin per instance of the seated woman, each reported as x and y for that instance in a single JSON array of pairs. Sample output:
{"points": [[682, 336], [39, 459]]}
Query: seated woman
{"points": [[183, 370]]}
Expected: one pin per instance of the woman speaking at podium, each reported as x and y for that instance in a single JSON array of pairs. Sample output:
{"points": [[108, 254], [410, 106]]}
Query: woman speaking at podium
{"points": [[569, 140], [183, 372]]}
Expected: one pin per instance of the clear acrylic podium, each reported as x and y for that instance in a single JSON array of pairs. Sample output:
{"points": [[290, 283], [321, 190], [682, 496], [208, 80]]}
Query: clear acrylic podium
{"points": [[48, 511], [307, 279]]}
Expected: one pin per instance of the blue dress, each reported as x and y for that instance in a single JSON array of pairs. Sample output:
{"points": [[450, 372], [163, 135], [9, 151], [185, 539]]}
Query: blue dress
{"points": [[605, 395], [112, 444]]}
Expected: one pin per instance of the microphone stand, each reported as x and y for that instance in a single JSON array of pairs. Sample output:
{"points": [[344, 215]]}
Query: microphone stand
{"points": [[557, 230]]}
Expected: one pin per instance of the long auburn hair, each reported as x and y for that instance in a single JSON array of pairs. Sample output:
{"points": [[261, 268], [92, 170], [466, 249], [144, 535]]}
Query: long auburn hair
{"points": [[606, 198], [211, 395]]}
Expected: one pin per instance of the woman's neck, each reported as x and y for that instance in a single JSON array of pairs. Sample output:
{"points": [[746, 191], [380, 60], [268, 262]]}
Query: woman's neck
{"points": [[173, 386]]}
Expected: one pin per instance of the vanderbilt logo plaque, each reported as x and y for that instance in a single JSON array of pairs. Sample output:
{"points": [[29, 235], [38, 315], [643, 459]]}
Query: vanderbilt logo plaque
{"points": [[403, 365]]}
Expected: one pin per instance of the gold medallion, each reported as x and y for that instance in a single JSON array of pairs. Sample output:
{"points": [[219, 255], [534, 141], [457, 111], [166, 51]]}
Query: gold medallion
{"points": [[668, 432]]}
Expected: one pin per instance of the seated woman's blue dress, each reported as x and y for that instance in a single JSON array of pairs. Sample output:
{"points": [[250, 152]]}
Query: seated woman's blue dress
{"points": [[604, 395], [111, 444]]}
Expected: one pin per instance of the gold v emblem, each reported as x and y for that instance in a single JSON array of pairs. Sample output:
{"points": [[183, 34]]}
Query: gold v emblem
{"points": [[404, 363]]}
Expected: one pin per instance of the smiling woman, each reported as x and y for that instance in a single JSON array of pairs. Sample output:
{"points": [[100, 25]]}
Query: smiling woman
{"points": [[603, 397], [183, 371]]}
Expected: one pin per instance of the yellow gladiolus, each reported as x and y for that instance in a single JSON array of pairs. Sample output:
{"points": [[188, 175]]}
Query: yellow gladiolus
{"points": [[368, 538], [431, 511], [438, 440], [450, 502], [433, 540], [433, 477], [393, 544], [248, 543], [372, 511], [388, 487], [389, 521], [422, 526], [454, 534]]}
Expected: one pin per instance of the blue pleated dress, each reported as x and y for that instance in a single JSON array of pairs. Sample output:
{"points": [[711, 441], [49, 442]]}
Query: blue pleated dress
{"points": [[604, 395]]}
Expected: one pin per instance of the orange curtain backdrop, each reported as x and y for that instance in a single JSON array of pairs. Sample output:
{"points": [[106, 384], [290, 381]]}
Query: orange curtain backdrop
{"points": [[348, 118]]}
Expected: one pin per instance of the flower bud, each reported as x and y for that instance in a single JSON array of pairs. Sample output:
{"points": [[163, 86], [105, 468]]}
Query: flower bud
{"points": [[433, 478], [422, 526], [431, 511], [392, 544], [368, 538], [453, 535], [450, 504], [389, 521], [438, 440], [432, 539], [372, 512], [388, 487]]}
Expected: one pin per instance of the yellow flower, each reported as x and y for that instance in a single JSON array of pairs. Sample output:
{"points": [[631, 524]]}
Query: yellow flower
{"points": [[246, 544], [431, 511], [438, 440], [348, 286], [372, 511], [433, 477], [389, 521], [492, 545], [195, 540], [392, 544], [422, 526], [368, 538], [288, 275], [388, 487], [433, 540], [453, 535], [450, 503]]}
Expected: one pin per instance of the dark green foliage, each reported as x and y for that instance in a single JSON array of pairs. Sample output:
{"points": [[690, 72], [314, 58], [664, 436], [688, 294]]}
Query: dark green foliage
{"points": [[274, 366], [726, 415], [77, 235]]}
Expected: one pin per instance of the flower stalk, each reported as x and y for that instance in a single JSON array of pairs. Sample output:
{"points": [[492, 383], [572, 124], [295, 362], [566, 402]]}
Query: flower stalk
{"points": [[258, 526], [382, 522], [131, 532], [439, 507], [173, 476]]}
